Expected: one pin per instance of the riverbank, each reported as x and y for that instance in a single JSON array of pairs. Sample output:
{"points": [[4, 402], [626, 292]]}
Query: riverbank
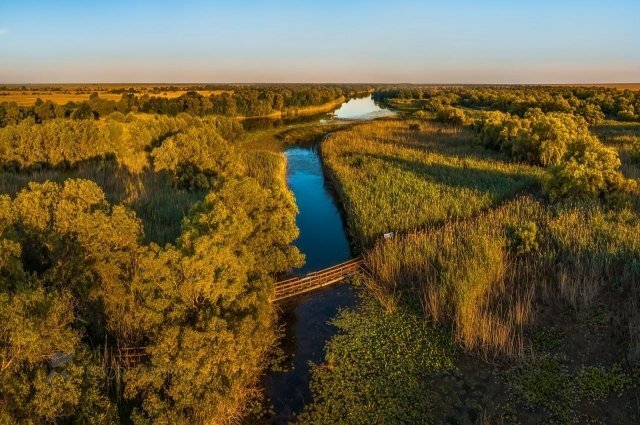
{"points": [[298, 112]]}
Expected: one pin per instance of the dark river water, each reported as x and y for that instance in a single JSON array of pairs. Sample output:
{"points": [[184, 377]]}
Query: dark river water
{"points": [[324, 242]]}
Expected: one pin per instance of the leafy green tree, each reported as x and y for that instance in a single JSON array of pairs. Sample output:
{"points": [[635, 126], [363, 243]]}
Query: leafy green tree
{"points": [[83, 112], [73, 270], [212, 329], [46, 373], [588, 169], [591, 113], [55, 143], [45, 110], [197, 157], [12, 114], [278, 102]]}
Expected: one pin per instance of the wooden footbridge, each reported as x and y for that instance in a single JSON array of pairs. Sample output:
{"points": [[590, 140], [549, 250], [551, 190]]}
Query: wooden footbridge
{"points": [[299, 285], [133, 356]]}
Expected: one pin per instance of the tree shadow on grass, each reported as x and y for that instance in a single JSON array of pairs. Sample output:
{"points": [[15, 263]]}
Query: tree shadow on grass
{"points": [[498, 184], [153, 196], [612, 131]]}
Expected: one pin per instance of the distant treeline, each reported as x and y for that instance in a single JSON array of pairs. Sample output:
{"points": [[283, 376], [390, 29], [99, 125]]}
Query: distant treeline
{"points": [[235, 101], [592, 103]]}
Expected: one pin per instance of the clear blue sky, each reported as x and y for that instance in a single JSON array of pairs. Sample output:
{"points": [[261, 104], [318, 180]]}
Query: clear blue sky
{"points": [[320, 41]]}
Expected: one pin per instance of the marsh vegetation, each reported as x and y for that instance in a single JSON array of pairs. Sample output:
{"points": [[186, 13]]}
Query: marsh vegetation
{"points": [[515, 214], [508, 292]]}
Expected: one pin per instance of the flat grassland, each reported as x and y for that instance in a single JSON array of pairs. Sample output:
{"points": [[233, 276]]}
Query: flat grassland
{"points": [[396, 175], [619, 86], [26, 95]]}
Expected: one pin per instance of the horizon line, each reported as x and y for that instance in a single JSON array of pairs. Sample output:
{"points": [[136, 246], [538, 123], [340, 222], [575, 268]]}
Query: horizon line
{"points": [[323, 82]]}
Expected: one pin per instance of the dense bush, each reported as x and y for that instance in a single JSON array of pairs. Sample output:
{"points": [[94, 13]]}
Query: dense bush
{"points": [[451, 115], [64, 143], [588, 169], [537, 138], [197, 157], [580, 165], [55, 143]]}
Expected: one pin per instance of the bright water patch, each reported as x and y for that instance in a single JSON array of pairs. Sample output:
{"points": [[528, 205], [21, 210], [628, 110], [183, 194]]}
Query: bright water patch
{"points": [[362, 109], [322, 236]]}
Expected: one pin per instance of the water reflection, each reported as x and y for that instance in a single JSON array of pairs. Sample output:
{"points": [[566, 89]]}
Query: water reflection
{"points": [[364, 108], [253, 124], [322, 237]]}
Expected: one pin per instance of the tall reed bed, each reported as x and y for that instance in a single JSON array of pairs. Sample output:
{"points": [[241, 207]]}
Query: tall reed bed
{"points": [[484, 276]]}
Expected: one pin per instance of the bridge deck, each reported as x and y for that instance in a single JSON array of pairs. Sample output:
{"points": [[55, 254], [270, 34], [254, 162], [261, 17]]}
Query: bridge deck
{"points": [[299, 285], [133, 356]]}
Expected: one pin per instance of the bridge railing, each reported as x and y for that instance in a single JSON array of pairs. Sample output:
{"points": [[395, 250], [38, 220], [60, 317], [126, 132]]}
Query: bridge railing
{"points": [[299, 285], [129, 357]]}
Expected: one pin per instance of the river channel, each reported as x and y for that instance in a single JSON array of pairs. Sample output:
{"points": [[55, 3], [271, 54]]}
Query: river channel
{"points": [[323, 240]]}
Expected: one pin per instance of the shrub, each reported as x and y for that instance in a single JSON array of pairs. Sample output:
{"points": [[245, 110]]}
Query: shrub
{"points": [[422, 115], [451, 115], [597, 382], [588, 169], [524, 237]]}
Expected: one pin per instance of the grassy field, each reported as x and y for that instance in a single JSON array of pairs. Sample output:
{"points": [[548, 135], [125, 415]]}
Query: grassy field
{"points": [[625, 138], [26, 95], [396, 175]]}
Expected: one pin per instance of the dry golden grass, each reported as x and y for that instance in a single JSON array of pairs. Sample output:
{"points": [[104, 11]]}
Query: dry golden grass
{"points": [[487, 275], [619, 86], [28, 98], [81, 93]]}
